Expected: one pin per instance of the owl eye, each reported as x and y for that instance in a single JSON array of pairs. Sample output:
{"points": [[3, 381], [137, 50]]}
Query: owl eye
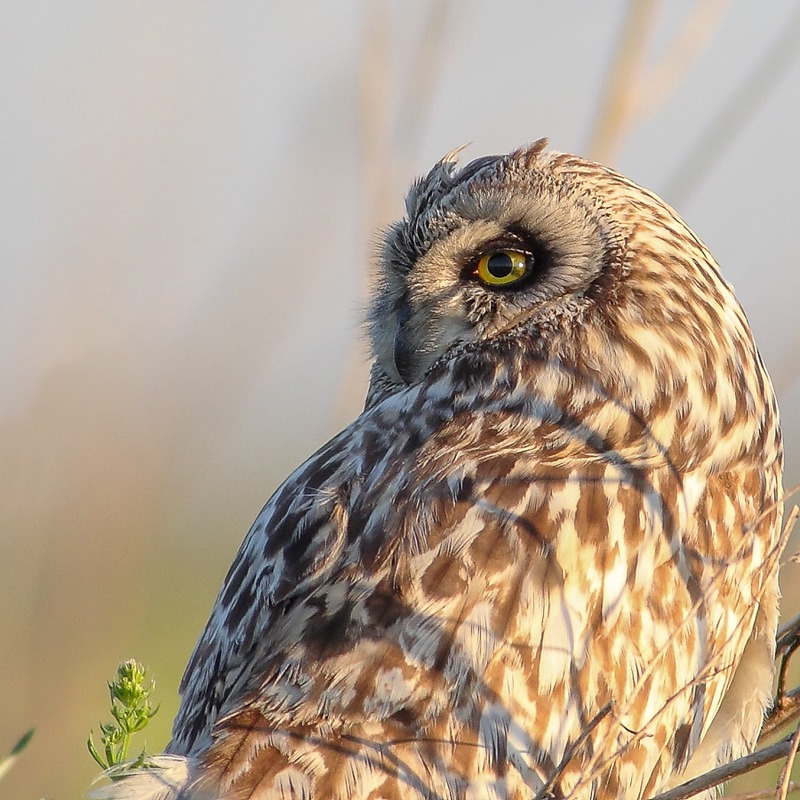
{"points": [[503, 267]]}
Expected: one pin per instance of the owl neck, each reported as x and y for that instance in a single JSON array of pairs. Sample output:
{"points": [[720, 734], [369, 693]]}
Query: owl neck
{"points": [[651, 402]]}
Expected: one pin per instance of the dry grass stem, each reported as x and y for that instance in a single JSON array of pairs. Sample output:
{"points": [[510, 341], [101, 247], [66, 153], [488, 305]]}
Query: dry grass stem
{"points": [[615, 110], [415, 108], [739, 109], [654, 88], [786, 772], [632, 93], [714, 777]]}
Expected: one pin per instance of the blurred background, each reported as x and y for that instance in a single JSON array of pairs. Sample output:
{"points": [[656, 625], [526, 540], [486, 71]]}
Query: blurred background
{"points": [[190, 194]]}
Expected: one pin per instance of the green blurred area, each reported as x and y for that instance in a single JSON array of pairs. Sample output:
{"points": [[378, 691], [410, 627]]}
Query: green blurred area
{"points": [[149, 604]]}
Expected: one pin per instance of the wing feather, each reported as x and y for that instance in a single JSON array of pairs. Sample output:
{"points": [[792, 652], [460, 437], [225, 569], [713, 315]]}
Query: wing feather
{"points": [[440, 607]]}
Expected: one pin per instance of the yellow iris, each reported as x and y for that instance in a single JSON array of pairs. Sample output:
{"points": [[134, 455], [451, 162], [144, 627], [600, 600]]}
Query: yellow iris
{"points": [[503, 267]]}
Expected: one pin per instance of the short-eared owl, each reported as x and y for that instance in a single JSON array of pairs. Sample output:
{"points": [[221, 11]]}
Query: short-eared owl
{"points": [[544, 558]]}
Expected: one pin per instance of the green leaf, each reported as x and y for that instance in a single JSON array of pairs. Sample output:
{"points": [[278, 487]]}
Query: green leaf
{"points": [[10, 759], [23, 742]]}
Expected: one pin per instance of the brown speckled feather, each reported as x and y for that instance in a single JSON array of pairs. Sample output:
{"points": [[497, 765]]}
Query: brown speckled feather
{"points": [[545, 556]]}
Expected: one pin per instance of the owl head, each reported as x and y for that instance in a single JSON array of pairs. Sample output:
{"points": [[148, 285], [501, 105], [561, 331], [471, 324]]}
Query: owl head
{"points": [[598, 272], [584, 267], [500, 243]]}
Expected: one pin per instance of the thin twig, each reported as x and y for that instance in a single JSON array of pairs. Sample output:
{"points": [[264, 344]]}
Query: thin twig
{"points": [[786, 772], [602, 757], [785, 709], [766, 755], [546, 790], [785, 705], [787, 633]]}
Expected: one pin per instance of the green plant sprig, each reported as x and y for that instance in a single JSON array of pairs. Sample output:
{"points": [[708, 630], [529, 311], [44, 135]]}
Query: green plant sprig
{"points": [[131, 709]]}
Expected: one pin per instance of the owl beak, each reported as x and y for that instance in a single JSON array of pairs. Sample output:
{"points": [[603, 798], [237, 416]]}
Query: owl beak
{"points": [[403, 352]]}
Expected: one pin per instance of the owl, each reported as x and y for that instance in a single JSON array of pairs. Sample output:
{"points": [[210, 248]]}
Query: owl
{"points": [[543, 561]]}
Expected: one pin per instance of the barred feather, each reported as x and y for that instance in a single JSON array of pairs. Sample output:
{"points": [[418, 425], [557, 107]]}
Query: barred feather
{"points": [[545, 556]]}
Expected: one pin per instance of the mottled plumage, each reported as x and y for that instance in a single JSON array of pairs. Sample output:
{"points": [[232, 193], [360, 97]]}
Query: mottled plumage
{"points": [[545, 555]]}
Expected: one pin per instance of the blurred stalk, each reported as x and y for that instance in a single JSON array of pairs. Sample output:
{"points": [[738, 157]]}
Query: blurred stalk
{"points": [[633, 93], [376, 171], [740, 108], [9, 761], [375, 113], [785, 372], [684, 49], [383, 143], [416, 106], [614, 117]]}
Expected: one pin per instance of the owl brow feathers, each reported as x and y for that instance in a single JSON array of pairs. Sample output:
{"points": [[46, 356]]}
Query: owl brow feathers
{"points": [[445, 177]]}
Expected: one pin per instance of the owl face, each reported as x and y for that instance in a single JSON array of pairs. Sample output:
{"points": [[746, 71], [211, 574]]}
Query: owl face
{"points": [[499, 244]]}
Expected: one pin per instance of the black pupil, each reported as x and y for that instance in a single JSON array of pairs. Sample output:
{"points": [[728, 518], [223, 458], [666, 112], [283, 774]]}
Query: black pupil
{"points": [[500, 265]]}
